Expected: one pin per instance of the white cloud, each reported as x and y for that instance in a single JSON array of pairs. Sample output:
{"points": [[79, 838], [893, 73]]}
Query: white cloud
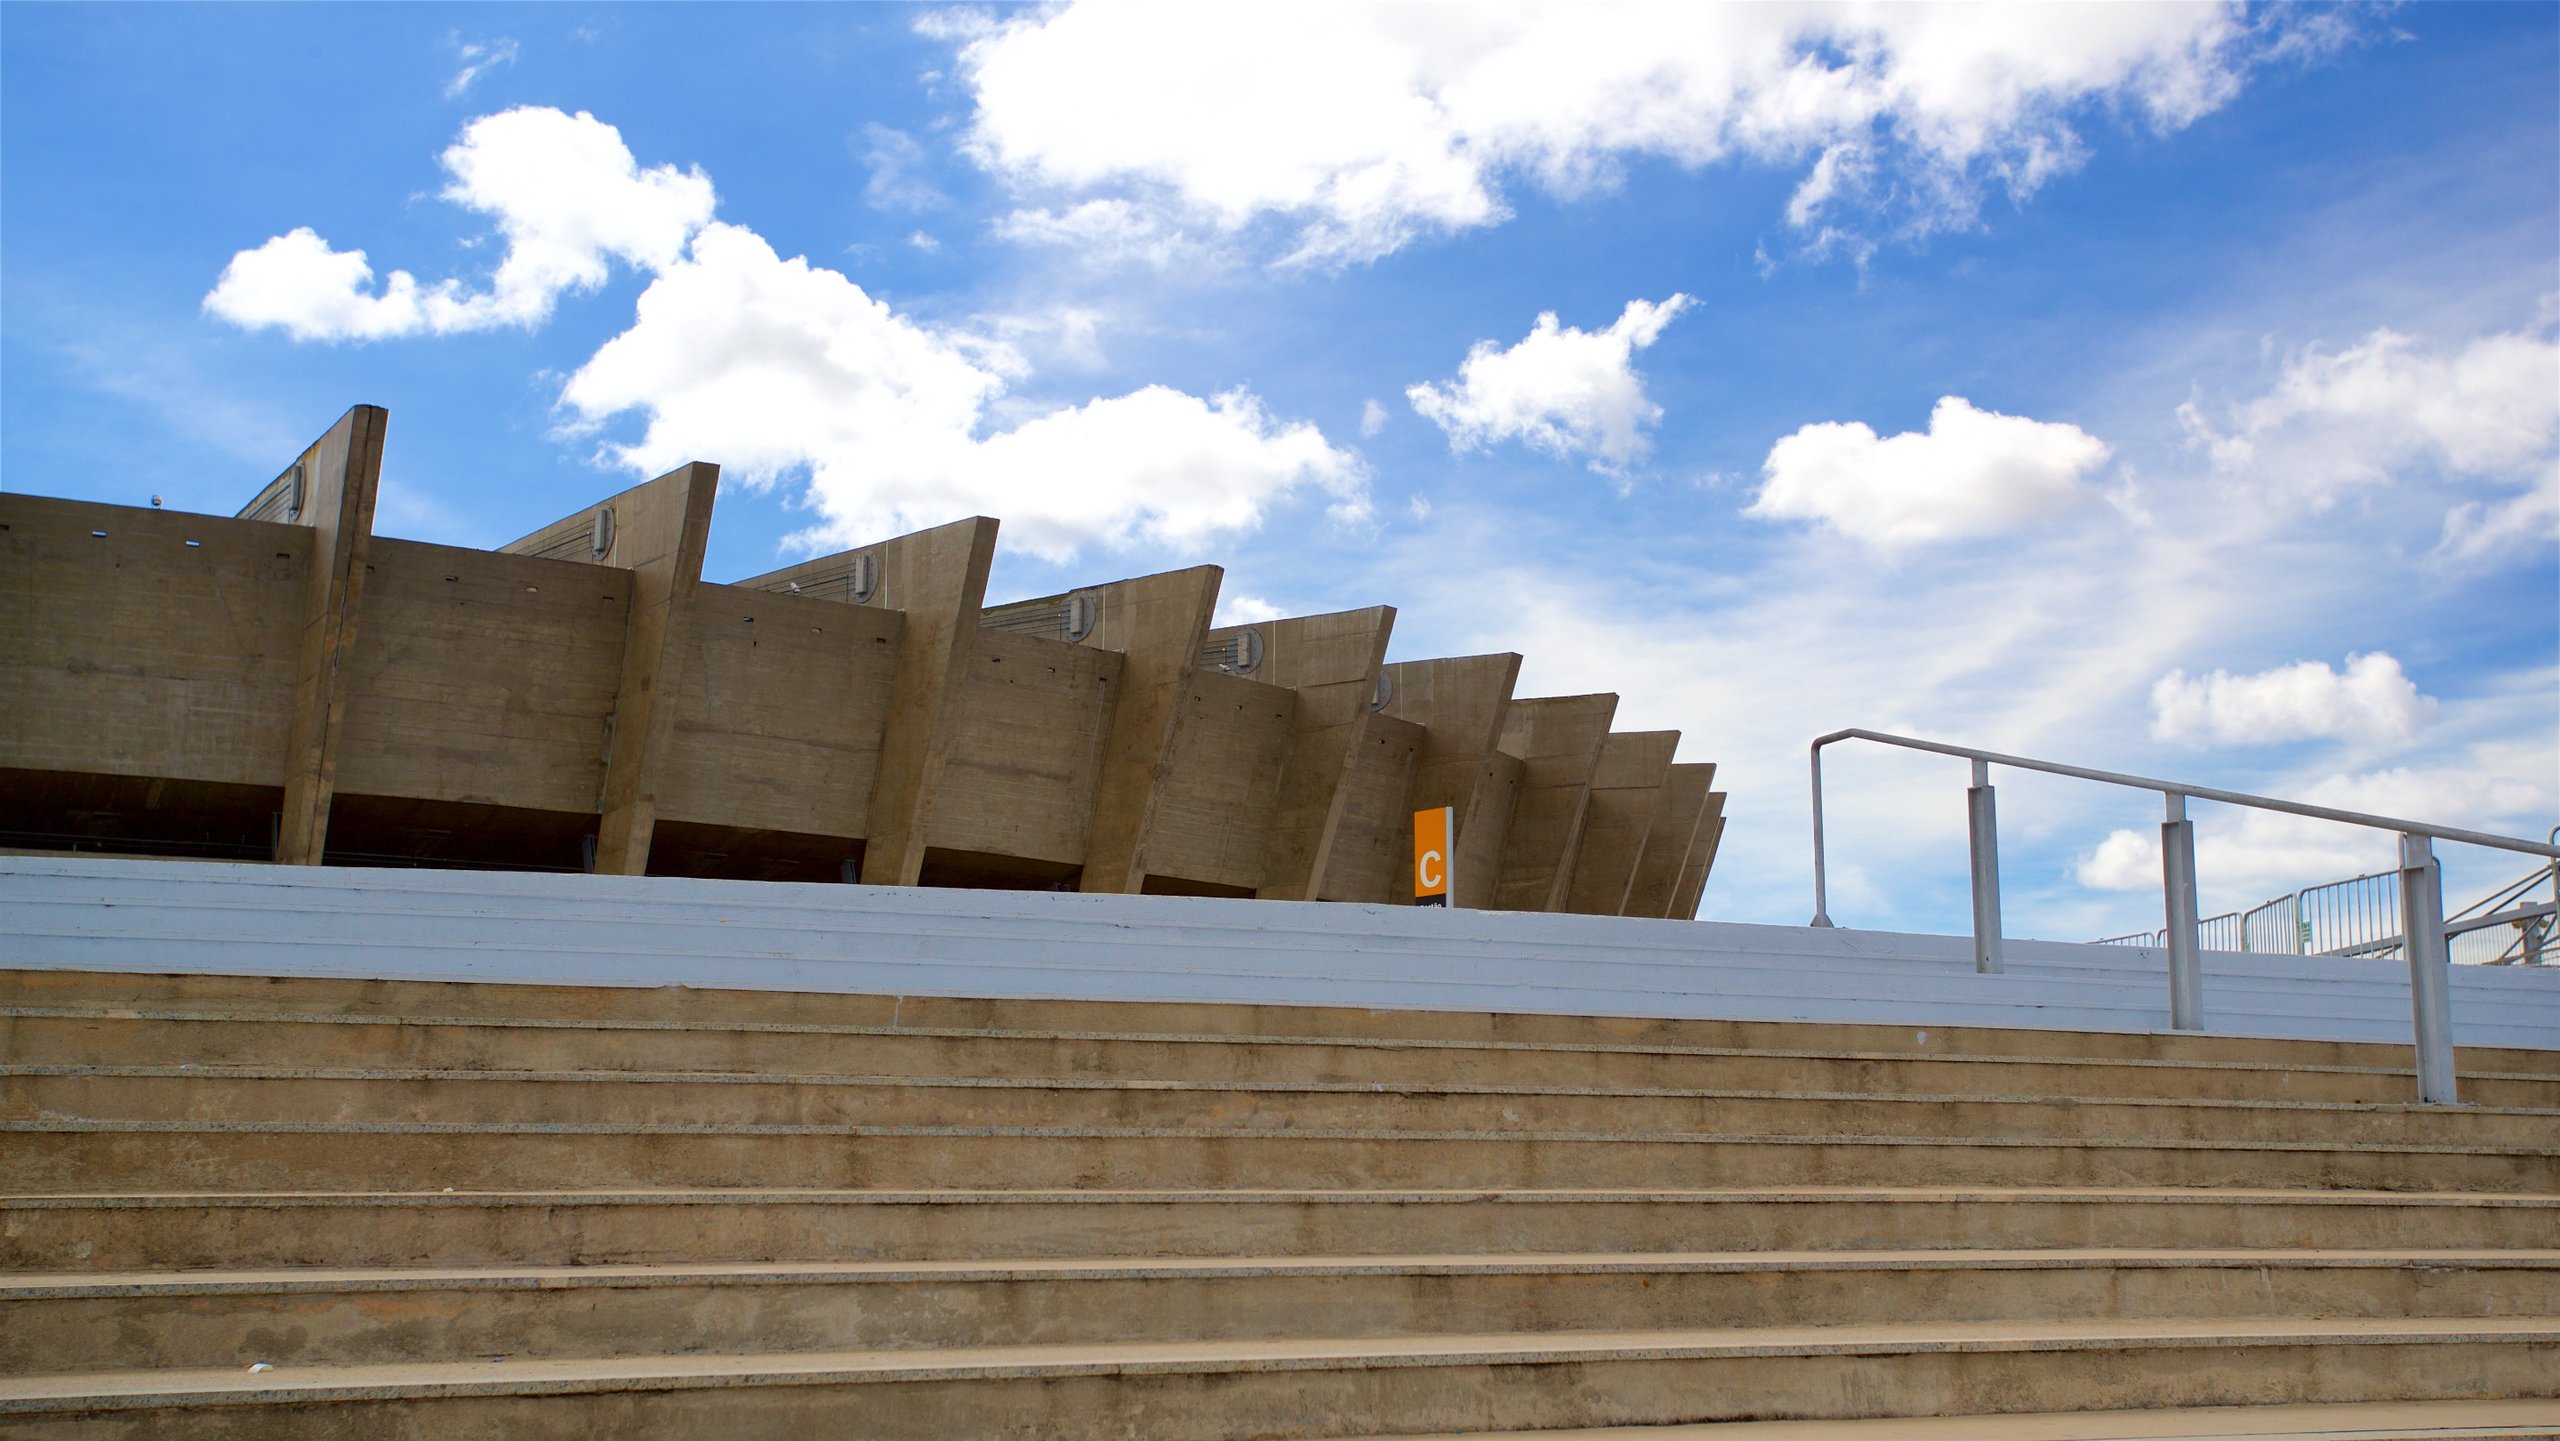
{"points": [[2371, 701], [2486, 532], [298, 284], [478, 57], [2124, 861], [1373, 418], [566, 195], [2245, 857], [1564, 391], [1245, 610], [1972, 473], [894, 157], [1360, 127], [774, 366], [925, 242], [2391, 406], [1107, 232]]}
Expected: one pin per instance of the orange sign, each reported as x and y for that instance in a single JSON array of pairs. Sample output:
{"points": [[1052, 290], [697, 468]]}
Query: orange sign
{"points": [[1435, 836]]}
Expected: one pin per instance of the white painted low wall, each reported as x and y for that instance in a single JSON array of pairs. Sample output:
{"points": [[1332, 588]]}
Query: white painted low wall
{"points": [[616, 930]]}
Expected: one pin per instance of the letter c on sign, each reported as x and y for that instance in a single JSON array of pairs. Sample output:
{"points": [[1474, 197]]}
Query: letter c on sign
{"points": [[1422, 870]]}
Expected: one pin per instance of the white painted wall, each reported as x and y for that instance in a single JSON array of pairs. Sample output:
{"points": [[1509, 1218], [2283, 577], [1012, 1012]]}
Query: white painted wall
{"points": [[155, 916]]}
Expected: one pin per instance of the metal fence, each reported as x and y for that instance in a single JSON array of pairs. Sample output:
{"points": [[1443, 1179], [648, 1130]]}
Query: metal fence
{"points": [[2360, 916]]}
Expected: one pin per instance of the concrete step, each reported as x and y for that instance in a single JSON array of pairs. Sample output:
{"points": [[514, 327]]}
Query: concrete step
{"points": [[108, 1321], [296, 1038], [266, 1093], [681, 1007], [111, 1157], [2370, 1421], [190, 1231], [639, 931], [1194, 1391]]}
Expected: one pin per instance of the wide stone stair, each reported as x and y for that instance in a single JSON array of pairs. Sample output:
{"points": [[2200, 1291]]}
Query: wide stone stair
{"points": [[251, 1207]]}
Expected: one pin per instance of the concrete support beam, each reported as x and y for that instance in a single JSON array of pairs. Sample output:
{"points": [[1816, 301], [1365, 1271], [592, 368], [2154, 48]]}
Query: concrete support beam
{"points": [[1159, 625], [1626, 790], [938, 580], [1461, 702], [1558, 741], [1701, 861], [1332, 662], [658, 532], [330, 490], [1666, 848]]}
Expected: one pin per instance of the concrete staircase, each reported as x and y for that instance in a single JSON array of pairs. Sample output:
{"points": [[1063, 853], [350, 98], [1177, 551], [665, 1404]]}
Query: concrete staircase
{"points": [[237, 1206]]}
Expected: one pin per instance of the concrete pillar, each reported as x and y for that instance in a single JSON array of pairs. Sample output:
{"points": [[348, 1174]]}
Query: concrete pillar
{"points": [[330, 489], [657, 531], [1461, 702], [1158, 624], [1702, 860], [938, 579], [1558, 741], [1332, 663], [1675, 830], [1626, 790]]}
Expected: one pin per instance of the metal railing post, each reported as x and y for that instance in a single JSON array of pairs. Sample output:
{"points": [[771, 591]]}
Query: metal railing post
{"points": [[1821, 887], [2430, 965], [1982, 818], [2178, 896]]}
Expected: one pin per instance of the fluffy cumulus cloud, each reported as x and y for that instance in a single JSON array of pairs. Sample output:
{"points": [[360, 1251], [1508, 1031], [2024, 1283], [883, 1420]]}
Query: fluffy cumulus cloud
{"points": [[777, 366], [1565, 391], [568, 199], [1358, 127], [2372, 700], [2393, 409], [1971, 473]]}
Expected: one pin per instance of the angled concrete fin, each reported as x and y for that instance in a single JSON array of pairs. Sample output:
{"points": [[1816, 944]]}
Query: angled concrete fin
{"points": [[1557, 740], [938, 579], [1666, 847], [1461, 701], [1159, 625], [658, 532], [1701, 860], [329, 489], [1332, 662], [1626, 789]]}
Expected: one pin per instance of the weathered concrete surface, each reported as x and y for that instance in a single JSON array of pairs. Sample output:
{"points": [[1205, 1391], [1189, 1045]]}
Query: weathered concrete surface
{"points": [[220, 688], [1462, 703], [1331, 662], [1626, 790], [1666, 846], [1158, 624], [468, 1209], [662, 529], [1557, 740], [1701, 859], [342, 473], [165, 646]]}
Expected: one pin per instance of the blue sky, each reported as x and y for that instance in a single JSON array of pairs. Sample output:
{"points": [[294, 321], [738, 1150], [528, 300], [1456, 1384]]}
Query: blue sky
{"points": [[2164, 388]]}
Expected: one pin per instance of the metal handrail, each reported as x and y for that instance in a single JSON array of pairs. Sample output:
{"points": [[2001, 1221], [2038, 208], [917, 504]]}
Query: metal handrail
{"points": [[2421, 884], [2146, 783]]}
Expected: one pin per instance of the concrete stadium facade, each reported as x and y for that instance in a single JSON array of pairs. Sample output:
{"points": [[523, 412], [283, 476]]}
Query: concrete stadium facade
{"points": [[284, 684]]}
